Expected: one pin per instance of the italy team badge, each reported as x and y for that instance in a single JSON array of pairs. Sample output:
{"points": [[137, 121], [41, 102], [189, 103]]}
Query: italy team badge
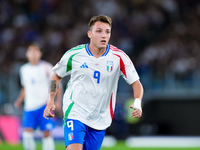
{"points": [[70, 136], [109, 65]]}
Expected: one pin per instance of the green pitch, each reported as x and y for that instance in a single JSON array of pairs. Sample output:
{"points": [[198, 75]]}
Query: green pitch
{"points": [[120, 146]]}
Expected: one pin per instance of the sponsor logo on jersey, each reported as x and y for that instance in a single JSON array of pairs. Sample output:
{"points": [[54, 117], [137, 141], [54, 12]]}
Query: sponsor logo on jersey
{"points": [[70, 136], [109, 66], [84, 65]]}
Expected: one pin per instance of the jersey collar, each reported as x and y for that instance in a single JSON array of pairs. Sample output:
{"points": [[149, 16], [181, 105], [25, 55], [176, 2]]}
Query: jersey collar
{"points": [[90, 54]]}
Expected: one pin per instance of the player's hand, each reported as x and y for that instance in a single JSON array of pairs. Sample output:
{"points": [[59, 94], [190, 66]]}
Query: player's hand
{"points": [[136, 113], [48, 111], [17, 104]]}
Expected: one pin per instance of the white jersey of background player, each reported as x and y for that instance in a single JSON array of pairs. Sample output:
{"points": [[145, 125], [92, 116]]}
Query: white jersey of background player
{"points": [[89, 100], [35, 80]]}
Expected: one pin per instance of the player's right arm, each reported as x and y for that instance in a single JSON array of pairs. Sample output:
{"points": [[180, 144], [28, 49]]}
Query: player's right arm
{"points": [[20, 98], [55, 82]]}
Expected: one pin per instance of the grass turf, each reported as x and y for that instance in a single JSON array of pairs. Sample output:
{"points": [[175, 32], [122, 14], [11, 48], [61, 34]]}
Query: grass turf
{"points": [[120, 146]]}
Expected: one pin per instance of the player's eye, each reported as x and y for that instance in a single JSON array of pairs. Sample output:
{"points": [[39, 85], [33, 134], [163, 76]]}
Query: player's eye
{"points": [[98, 31]]}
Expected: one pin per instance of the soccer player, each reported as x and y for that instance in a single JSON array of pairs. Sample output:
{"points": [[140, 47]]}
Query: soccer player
{"points": [[35, 79], [90, 96]]}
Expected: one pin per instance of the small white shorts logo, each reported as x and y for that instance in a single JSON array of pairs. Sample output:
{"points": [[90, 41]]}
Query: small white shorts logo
{"points": [[70, 136], [49, 126]]}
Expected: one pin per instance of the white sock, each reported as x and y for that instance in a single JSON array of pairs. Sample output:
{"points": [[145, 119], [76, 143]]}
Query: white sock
{"points": [[48, 143], [28, 140]]}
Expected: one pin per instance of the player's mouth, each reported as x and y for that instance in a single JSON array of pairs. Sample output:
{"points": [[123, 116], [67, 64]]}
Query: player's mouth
{"points": [[103, 41]]}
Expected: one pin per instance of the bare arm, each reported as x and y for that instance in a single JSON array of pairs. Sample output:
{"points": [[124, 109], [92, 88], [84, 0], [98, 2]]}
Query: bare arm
{"points": [[137, 89], [20, 98], [55, 82], [58, 100], [138, 94]]}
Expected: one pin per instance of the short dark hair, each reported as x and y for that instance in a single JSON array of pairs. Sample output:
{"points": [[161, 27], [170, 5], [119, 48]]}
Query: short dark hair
{"points": [[101, 18], [35, 44]]}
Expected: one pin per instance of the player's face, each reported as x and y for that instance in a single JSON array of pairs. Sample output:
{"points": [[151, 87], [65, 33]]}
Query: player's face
{"points": [[33, 54], [99, 34]]}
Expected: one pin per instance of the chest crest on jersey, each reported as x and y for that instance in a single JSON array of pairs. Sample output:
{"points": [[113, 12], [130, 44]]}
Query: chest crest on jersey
{"points": [[109, 65]]}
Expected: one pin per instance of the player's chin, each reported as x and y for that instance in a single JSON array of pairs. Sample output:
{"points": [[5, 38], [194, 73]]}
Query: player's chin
{"points": [[102, 47], [103, 44]]}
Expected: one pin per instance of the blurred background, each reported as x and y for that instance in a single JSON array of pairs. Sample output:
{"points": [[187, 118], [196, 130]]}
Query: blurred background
{"points": [[162, 38]]}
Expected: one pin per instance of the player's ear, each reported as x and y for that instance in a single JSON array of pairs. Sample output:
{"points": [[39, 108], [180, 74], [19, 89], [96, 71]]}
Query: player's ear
{"points": [[89, 34]]}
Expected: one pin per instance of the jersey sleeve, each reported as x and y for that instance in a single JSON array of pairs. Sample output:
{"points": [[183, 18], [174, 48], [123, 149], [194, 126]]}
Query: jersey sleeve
{"points": [[61, 68], [128, 70]]}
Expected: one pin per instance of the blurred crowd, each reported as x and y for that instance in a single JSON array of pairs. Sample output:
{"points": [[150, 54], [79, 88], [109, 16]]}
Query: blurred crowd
{"points": [[160, 36], [173, 58]]}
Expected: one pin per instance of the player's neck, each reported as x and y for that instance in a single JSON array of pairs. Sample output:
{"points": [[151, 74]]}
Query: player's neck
{"points": [[34, 63], [96, 52]]}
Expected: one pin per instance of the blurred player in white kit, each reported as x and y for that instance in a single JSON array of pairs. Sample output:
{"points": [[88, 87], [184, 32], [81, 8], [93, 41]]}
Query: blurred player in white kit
{"points": [[35, 78]]}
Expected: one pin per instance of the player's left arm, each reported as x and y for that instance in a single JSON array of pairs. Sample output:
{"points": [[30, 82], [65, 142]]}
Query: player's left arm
{"points": [[138, 95], [130, 75]]}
